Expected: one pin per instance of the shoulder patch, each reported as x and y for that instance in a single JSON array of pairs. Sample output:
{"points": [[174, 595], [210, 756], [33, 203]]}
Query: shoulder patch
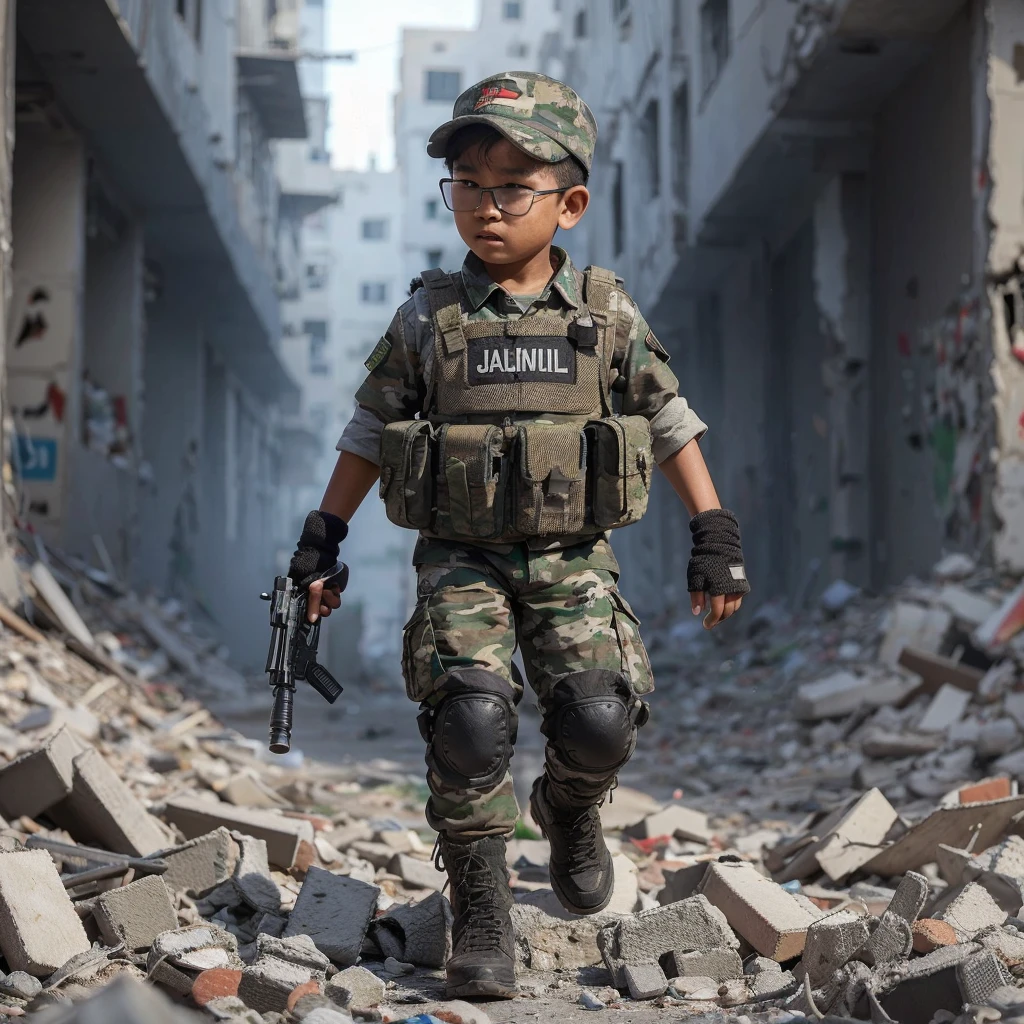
{"points": [[380, 352], [656, 346]]}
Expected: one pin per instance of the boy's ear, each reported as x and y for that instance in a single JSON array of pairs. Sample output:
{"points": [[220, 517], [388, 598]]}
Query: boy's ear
{"points": [[574, 204]]}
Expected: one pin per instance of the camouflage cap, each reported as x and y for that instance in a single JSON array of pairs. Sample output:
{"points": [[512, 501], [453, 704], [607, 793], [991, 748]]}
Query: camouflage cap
{"points": [[540, 116]]}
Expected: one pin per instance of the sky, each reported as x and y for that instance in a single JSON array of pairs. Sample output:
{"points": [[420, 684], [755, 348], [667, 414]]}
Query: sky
{"points": [[361, 93]]}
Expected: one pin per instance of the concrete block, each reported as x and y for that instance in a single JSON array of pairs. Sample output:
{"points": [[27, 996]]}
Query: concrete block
{"points": [[178, 945], [757, 909], [252, 878], [910, 897], [335, 912], [195, 817], [981, 975], [102, 805], [772, 985], [971, 911], [548, 943], [296, 949], [911, 625], [722, 964], [645, 981], [200, 865], [892, 940], [946, 708], [39, 929], [419, 933], [355, 988], [831, 943], [36, 781], [842, 693], [1006, 943], [135, 914], [243, 790], [968, 608], [680, 927], [762, 965], [420, 874], [674, 820], [267, 984]]}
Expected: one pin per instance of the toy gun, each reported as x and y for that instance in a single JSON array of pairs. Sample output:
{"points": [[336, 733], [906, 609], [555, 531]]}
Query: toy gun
{"points": [[292, 655]]}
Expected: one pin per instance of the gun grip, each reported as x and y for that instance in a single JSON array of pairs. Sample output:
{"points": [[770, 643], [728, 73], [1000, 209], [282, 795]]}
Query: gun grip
{"points": [[323, 682]]}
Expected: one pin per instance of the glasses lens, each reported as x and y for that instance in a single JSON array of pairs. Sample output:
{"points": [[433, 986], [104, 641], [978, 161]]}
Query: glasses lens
{"points": [[514, 199], [459, 197]]}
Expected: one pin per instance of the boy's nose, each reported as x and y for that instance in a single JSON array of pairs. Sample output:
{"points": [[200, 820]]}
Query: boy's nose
{"points": [[488, 209]]}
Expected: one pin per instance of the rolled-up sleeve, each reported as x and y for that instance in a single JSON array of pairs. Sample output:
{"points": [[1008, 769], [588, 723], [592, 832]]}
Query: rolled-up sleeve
{"points": [[362, 435], [674, 427]]}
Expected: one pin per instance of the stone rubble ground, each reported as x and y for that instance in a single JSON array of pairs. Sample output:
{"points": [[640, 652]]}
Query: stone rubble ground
{"points": [[844, 838]]}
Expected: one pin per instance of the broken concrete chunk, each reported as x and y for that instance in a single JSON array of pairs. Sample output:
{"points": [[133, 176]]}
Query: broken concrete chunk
{"points": [[842, 693], [100, 805], [39, 929], [296, 949], [981, 975], [200, 865], [722, 964], [267, 984], [419, 933], [831, 942], [946, 709], [355, 988], [910, 897], [774, 985], [252, 878], [135, 914], [910, 625], [125, 999], [892, 940], [415, 872], [972, 911], [173, 945], [760, 911], [674, 820], [547, 943], [36, 781], [335, 912], [682, 884], [282, 835], [245, 790], [645, 980]]}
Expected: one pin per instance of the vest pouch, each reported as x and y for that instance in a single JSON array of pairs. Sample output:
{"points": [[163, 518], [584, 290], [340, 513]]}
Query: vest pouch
{"points": [[407, 474], [471, 480], [550, 494], [621, 464]]}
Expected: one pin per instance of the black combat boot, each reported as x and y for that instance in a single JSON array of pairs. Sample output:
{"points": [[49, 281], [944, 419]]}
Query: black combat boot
{"points": [[581, 869], [482, 964]]}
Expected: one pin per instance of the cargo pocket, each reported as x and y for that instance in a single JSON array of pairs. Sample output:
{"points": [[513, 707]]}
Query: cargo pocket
{"points": [[418, 654], [471, 480], [551, 492], [406, 473], [621, 463], [635, 664]]}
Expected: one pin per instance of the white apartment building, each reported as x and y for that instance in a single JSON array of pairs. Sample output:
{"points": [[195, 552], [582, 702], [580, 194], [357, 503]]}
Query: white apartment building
{"points": [[437, 65]]}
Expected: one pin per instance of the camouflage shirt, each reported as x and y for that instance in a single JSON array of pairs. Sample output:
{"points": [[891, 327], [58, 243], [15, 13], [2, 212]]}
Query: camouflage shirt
{"points": [[402, 365]]}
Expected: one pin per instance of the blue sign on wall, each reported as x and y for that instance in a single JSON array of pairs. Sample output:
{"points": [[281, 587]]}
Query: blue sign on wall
{"points": [[37, 458]]}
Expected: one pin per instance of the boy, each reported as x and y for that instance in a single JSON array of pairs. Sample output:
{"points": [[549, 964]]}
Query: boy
{"points": [[513, 412]]}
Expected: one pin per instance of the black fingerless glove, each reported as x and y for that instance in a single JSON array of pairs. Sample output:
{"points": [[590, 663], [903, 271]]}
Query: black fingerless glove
{"points": [[716, 561], [318, 548]]}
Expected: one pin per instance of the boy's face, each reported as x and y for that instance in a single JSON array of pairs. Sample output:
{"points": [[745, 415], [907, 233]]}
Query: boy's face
{"points": [[499, 237]]}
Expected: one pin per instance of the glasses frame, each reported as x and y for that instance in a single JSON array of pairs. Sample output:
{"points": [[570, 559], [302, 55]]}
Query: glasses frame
{"points": [[494, 199]]}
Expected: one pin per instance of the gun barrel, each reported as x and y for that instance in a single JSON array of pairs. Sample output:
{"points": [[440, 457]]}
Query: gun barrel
{"points": [[281, 721]]}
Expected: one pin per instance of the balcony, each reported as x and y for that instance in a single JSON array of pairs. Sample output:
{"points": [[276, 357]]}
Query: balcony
{"points": [[271, 79], [306, 185]]}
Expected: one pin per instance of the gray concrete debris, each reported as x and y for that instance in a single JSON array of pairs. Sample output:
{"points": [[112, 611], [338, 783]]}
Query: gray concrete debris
{"points": [[415, 872], [296, 949], [892, 939], [971, 911], [772, 984], [124, 1001], [910, 897], [267, 984], [232, 1009], [39, 929], [135, 914], [197, 867], [722, 964], [674, 820], [682, 883], [252, 876], [173, 945], [831, 943], [420, 933], [981, 975], [645, 980], [546, 943], [326, 1015], [355, 988], [36, 781], [335, 912], [913, 992]]}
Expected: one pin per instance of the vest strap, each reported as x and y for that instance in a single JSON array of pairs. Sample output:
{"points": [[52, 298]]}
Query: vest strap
{"points": [[446, 308]]}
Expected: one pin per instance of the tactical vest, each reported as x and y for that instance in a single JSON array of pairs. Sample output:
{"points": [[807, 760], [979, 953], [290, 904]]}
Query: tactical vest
{"points": [[518, 437]]}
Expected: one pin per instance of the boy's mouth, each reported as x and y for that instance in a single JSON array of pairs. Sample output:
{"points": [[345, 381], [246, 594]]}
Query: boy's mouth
{"points": [[489, 236]]}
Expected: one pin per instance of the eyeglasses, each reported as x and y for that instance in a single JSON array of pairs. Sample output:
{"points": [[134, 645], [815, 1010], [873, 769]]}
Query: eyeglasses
{"points": [[515, 200]]}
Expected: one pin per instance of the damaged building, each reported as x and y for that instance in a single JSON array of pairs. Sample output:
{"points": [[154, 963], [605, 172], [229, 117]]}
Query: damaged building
{"points": [[818, 205]]}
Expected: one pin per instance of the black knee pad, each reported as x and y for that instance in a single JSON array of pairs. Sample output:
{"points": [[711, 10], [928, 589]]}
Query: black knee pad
{"points": [[471, 731], [592, 720]]}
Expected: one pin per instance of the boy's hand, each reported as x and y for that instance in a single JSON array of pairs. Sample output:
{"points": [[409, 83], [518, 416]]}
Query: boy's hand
{"points": [[317, 553], [322, 601], [715, 576]]}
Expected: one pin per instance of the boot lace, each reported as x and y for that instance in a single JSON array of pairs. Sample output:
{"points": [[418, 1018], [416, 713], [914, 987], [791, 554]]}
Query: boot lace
{"points": [[581, 841], [478, 927]]}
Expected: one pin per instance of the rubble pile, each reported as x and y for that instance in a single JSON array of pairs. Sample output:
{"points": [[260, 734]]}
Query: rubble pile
{"points": [[837, 831]]}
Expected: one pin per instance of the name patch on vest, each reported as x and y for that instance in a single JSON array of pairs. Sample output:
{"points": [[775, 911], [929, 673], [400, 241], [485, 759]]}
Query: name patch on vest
{"points": [[521, 360]]}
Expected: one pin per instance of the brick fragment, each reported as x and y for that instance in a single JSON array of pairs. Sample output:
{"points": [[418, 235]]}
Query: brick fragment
{"points": [[135, 914], [215, 984], [930, 934], [335, 912], [722, 964], [39, 929], [355, 988], [760, 911], [972, 911], [196, 817], [197, 867], [36, 781], [645, 981], [267, 984], [313, 987]]}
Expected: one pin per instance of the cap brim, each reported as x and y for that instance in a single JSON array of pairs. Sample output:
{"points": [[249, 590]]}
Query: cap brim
{"points": [[521, 136]]}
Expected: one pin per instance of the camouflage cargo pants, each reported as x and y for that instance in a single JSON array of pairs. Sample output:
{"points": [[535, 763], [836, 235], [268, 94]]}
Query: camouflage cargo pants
{"points": [[472, 605]]}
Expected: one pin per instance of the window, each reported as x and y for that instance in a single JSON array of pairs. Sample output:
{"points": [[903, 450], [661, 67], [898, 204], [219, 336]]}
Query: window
{"points": [[512, 10], [714, 41], [374, 291], [619, 7], [191, 13], [518, 50], [433, 258], [617, 211], [431, 208], [316, 330], [681, 142], [316, 277], [579, 24], [375, 229], [443, 85], [650, 140]]}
